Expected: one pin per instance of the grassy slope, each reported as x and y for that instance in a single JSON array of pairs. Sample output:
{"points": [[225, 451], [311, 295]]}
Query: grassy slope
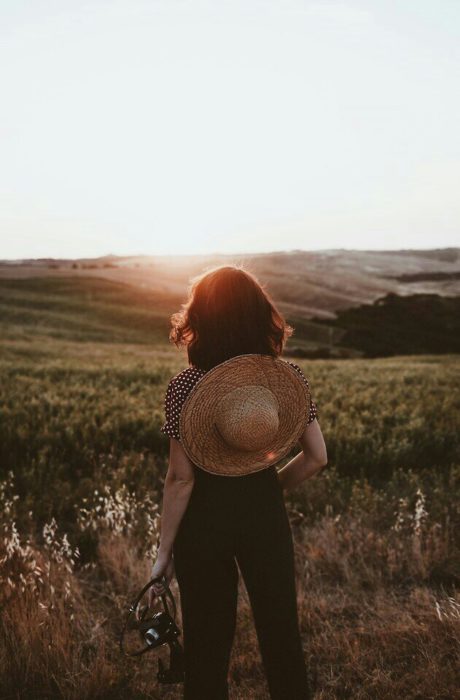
{"points": [[83, 309], [90, 308], [304, 283], [83, 375], [375, 602]]}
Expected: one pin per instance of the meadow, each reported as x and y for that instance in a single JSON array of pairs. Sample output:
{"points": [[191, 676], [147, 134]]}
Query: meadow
{"points": [[82, 463]]}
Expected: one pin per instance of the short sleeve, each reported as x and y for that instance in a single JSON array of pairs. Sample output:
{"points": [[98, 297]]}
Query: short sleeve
{"points": [[177, 391], [172, 411], [313, 406]]}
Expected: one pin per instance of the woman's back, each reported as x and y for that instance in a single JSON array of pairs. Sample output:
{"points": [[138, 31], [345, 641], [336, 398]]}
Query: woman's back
{"points": [[228, 507]]}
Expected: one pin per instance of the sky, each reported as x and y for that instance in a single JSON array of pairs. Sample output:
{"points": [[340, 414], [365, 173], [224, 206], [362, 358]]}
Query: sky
{"points": [[223, 126]]}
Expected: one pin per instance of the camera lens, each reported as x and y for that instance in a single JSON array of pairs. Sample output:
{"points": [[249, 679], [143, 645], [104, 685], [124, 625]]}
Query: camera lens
{"points": [[151, 636]]}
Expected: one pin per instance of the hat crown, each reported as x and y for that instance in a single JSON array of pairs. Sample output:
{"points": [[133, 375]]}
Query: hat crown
{"points": [[247, 417]]}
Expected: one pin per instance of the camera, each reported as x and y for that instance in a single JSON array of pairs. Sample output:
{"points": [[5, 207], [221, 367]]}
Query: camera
{"points": [[143, 632]]}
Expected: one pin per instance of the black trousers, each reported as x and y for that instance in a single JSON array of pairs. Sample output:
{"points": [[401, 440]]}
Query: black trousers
{"points": [[242, 520]]}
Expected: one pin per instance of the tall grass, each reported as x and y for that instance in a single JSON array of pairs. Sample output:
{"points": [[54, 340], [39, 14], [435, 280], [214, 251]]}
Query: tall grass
{"points": [[371, 624], [376, 533], [73, 420]]}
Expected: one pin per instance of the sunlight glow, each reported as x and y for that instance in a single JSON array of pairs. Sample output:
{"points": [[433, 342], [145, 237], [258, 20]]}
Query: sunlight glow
{"points": [[171, 127]]}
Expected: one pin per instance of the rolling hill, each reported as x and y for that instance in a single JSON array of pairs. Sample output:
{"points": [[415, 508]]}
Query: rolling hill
{"points": [[337, 300]]}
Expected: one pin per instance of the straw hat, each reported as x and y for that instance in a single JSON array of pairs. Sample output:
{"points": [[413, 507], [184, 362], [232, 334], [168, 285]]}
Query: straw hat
{"points": [[244, 415]]}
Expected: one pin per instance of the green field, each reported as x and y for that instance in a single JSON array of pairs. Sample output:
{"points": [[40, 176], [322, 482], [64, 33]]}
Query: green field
{"points": [[69, 407], [83, 374], [82, 309]]}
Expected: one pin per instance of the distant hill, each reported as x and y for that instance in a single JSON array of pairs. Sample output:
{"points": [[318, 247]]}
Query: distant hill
{"points": [[306, 284], [342, 303]]}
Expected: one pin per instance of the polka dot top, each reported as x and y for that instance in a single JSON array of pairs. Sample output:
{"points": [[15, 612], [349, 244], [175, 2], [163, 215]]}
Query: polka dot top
{"points": [[181, 385]]}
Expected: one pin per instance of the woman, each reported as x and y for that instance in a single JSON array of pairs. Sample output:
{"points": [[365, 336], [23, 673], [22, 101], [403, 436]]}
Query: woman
{"points": [[204, 515]]}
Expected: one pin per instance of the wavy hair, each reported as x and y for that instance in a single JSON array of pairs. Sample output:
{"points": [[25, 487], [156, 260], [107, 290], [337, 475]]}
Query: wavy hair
{"points": [[228, 312]]}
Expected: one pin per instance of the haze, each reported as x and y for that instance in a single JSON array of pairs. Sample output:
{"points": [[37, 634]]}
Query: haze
{"points": [[175, 127]]}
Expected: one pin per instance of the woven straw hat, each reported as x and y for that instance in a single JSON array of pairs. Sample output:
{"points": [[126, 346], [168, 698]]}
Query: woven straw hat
{"points": [[244, 415]]}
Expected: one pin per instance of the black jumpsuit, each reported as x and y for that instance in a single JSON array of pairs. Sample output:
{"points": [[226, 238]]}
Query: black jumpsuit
{"points": [[230, 521]]}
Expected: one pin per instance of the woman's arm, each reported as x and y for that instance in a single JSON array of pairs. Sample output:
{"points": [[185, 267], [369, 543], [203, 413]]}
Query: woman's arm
{"points": [[307, 463], [177, 490]]}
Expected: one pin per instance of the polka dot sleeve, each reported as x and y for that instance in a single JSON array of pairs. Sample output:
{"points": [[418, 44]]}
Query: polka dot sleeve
{"points": [[313, 407], [178, 389], [171, 425]]}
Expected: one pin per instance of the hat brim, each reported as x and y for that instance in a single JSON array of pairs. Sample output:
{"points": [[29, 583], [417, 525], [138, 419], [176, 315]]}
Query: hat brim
{"points": [[199, 435]]}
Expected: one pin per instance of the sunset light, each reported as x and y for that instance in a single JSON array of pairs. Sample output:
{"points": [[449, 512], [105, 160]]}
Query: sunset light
{"points": [[167, 127]]}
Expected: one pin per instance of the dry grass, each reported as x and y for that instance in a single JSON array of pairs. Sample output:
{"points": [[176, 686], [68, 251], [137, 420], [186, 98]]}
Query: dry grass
{"points": [[376, 534], [373, 625]]}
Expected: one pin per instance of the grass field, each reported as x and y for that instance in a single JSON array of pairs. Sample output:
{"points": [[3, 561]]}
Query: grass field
{"points": [[82, 466]]}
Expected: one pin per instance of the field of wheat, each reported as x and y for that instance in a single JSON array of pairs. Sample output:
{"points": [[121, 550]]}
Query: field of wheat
{"points": [[376, 534]]}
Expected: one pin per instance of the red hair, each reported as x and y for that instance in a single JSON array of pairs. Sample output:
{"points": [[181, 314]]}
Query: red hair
{"points": [[228, 312]]}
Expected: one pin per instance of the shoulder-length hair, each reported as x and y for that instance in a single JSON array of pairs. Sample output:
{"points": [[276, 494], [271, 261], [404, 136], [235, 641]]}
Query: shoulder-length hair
{"points": [[228, 312]]}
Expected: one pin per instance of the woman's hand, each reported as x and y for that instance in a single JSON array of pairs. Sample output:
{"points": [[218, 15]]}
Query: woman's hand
{"points": [[163, 566]]}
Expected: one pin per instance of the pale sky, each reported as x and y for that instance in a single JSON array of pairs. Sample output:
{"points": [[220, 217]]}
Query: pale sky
{"points": [[202, 126]]}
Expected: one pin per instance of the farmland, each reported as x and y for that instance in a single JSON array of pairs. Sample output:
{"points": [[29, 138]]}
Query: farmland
{"points": [[84, 366]]}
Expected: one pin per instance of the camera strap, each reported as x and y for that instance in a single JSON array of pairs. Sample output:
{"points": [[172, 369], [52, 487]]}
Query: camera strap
{"points": [[133, 608]]}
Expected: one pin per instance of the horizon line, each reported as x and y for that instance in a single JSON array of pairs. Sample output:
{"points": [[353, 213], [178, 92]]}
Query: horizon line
{"points": [[227, 254]]}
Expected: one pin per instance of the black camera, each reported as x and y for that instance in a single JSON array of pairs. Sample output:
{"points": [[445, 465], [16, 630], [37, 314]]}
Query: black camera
{"points": [[143, 631]]}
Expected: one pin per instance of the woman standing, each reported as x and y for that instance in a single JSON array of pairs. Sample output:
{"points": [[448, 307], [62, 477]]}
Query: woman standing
{"points": [[216, 522]]}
